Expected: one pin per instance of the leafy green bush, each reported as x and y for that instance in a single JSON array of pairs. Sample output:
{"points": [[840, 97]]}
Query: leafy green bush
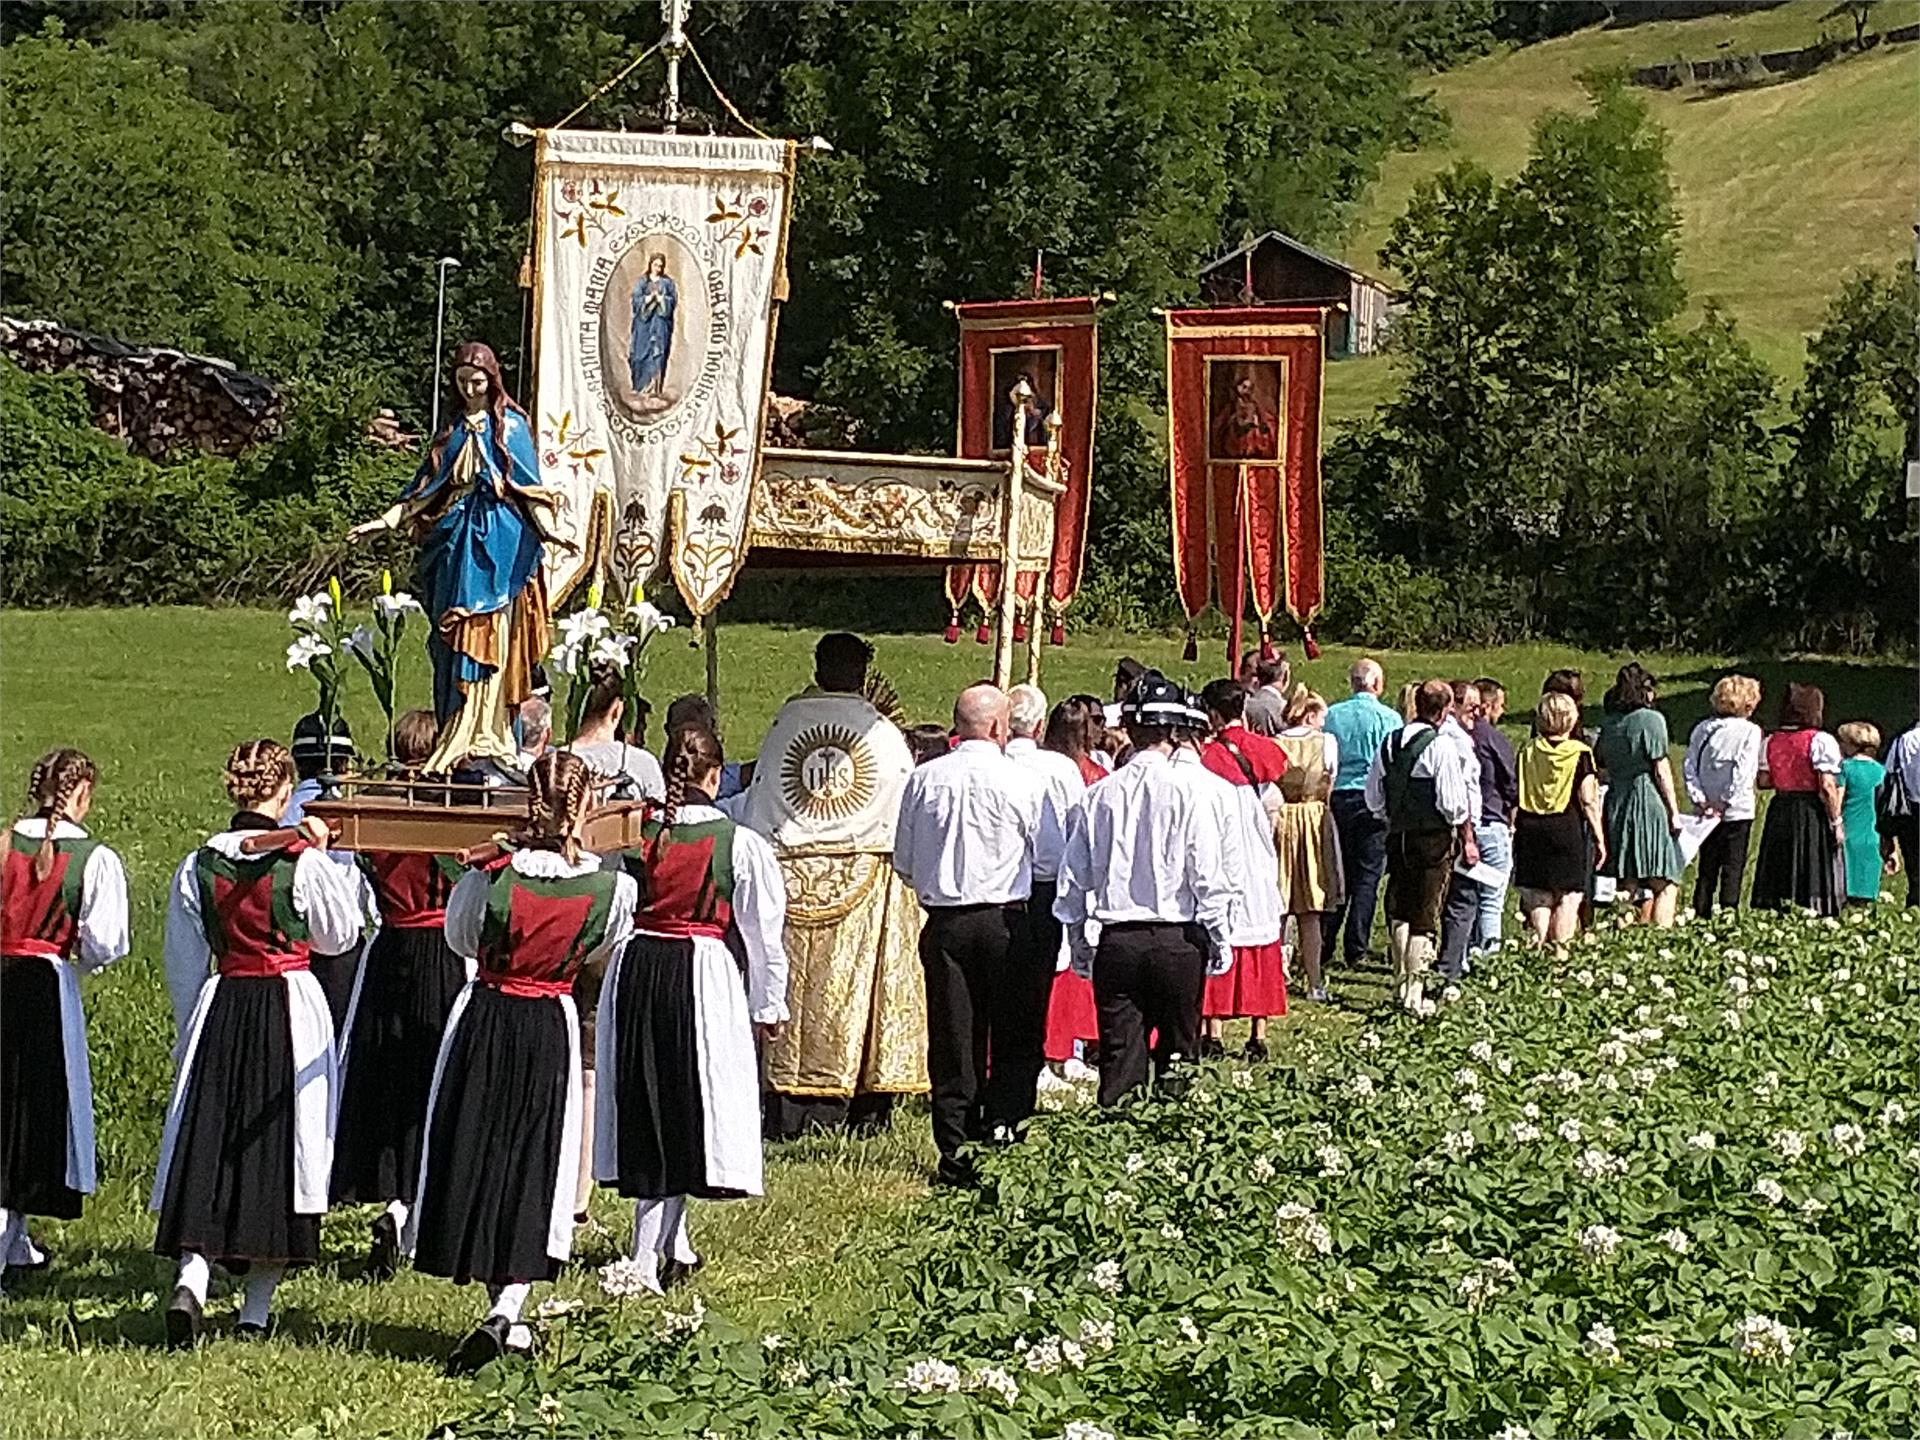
{"points": [[82, 522], [1663, 1186]]}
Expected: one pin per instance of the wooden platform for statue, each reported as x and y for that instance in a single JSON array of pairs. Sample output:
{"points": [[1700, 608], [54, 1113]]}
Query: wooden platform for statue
{"points": [[418, 820]]}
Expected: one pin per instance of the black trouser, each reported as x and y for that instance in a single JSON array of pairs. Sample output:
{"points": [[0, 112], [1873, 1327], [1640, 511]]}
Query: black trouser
{"points": [[1363, 853], [1723, 866], [1147, 976], [966, 952], [1909, 842], [1020, 1027]]}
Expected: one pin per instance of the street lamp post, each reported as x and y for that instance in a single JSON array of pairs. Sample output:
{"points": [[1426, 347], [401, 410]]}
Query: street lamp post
{"points": [[443, 265]]}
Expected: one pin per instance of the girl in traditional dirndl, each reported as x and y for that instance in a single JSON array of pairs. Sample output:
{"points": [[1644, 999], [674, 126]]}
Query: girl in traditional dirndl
{"points": [[395, 1018], [679, 1112], [501, 1156], [63, 912], [1801, 862], [248, 1144]]}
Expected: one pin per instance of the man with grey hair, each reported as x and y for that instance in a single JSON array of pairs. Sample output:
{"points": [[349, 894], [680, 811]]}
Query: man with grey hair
{"points": [[1359, 725], [533, 729], [1038, 958], [970, 823]]}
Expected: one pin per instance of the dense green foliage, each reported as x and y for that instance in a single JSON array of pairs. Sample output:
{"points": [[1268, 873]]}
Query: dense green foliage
{"points": [[1574, 461], [1660, 1186]]}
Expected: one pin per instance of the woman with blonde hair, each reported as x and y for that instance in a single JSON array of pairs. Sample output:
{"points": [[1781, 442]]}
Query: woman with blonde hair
{"points": [[501, 1157], [1723, 760], [1558, 835], [1312, 879], [1861, 775]]}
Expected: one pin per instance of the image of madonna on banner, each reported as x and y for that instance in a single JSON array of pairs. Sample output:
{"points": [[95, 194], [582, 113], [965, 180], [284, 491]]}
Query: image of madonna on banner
{"points": [[658, 263], [1243, 418], [1054, 345]]}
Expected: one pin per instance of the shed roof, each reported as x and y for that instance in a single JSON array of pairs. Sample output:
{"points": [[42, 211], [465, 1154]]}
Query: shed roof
{"points": [[1300, 247]]}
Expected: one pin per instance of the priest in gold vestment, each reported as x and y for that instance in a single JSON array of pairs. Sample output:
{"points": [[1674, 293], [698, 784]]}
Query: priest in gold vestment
{"points": [[826, 793]]}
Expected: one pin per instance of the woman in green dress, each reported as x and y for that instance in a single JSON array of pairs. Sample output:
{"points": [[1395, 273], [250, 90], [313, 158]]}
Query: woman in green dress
{"points": [[1642, 811]]}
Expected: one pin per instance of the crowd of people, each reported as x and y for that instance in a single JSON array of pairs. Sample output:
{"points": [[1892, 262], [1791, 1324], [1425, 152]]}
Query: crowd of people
{"points": [[865, 910]]}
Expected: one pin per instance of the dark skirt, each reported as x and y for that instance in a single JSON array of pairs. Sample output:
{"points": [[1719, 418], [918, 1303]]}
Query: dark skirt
{"points": [[661, 1106], [33, 1092], [1800, 863], [1552, 852], [494, 1142], [411, 981], [335, 974], [230, 1185]]}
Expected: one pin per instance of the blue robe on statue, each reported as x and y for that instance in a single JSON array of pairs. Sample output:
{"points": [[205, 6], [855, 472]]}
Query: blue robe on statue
{"points": [[655, 298], [481, 548]]}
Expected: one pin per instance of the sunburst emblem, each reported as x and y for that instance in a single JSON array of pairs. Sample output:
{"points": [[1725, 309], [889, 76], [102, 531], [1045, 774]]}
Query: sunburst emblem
{"points": [[828, 772]]}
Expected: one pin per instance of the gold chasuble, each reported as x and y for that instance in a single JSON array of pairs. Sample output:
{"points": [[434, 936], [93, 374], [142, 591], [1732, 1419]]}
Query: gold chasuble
{"points": [[826, 793]]}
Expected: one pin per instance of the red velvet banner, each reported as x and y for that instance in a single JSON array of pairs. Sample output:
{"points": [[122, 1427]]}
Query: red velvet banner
{"points": [[1243, 420], [1055, 346]]}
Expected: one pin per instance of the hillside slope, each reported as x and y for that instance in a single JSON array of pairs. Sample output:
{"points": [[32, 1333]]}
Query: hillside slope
{"points": [[1782, 189]]}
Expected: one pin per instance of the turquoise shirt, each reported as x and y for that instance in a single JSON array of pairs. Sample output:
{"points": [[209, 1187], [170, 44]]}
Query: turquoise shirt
{"points": [[1862, 778], [1361, 725]]}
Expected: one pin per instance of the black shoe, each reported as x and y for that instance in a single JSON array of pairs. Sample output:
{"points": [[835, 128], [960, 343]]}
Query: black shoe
{"points": [[1211, 1047], [383, 1256], [1256, 1050], [675, 1273], [182, 1317], [248, 1333], [486, 1344]]}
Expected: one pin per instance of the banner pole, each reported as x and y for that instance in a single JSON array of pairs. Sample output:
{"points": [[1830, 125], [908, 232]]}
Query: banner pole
{"points": [[1022, 396]]}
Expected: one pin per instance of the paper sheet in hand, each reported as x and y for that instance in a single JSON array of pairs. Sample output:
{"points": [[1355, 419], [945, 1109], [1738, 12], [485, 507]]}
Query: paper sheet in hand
{"points": [[1482, 874], [1693, 830]]}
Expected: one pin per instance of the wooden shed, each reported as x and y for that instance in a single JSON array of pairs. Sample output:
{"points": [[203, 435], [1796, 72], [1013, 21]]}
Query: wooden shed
{"points": [[1276, 269]]}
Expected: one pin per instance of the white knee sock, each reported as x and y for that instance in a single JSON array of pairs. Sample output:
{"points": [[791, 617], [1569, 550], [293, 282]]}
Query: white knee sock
{"points": [[508, 1300], [681, 1246], [262, 1280], [194, 1274], [11, 1221], [398, 1210]]}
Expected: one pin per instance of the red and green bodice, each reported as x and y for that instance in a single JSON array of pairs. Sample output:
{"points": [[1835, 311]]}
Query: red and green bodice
{"points": [[538, 930], [685, 875], [41, 916], [412, 890], [247, 911]]}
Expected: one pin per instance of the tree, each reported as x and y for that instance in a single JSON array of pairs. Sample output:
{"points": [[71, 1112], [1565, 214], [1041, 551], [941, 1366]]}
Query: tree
{"points": [[130, 209], [1858, 11]]}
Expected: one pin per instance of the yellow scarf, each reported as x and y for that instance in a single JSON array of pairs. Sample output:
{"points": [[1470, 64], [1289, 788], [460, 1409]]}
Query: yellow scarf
{"points": [[1547, 768]]}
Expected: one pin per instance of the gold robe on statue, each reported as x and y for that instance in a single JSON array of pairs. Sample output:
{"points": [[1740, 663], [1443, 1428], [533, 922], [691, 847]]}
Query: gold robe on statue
{"points": [[826, 792]]}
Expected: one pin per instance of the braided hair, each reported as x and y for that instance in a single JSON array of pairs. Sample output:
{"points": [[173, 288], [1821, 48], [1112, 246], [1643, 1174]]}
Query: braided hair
{"points": [[559, 789], [56, 777], [692, 751], [256, 770]]}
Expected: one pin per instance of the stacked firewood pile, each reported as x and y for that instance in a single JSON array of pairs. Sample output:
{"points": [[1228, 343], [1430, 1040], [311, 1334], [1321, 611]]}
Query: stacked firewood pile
{"points": [[161, 402]]}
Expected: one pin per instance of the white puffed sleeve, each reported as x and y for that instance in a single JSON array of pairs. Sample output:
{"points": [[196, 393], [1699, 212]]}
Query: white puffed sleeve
{"points": [[626, 900], [103, 921], [467, 912], [326, 894], [185, 954], [1824, 753], [760, 913]]}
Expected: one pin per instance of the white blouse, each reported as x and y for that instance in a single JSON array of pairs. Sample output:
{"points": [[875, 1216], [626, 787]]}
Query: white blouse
{"points": [[467, 905], [102, 924]]}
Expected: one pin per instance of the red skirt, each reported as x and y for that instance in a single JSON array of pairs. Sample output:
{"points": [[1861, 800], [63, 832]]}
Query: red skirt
{"points": [[1255, 987], [1070, 1015]]}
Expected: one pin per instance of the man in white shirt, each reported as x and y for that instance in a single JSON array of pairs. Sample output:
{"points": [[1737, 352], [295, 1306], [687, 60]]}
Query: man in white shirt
{"points": [[1039, 937], [1417, 785], [1903, 769], [1460, 915], [966, 841], [1143, 860]]}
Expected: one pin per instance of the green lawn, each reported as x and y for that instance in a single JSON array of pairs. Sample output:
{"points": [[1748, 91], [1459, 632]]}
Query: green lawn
{"points": [[1782, 189], [157, 697]]}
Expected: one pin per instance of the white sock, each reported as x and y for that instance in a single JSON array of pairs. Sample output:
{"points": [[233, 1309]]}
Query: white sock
{"points": [[194, 1274], [261, 1283], [681, 1246], [519, 1337], [508, 1301], [398, 1210]]}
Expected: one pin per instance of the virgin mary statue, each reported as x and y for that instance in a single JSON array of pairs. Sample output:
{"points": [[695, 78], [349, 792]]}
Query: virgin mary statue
{"points": [[479, 514]]}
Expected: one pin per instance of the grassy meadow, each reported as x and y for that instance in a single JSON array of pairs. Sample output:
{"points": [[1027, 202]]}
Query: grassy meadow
{"points": [[1783, 189], [157, 696]]}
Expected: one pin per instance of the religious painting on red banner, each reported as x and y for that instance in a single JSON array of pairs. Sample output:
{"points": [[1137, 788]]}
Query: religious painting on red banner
{"points": [[1054, 346], [1243, 414]]}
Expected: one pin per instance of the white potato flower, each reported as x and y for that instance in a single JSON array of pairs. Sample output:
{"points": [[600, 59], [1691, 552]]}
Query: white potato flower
{"points": [[1764, 1340], [930, 1377]]}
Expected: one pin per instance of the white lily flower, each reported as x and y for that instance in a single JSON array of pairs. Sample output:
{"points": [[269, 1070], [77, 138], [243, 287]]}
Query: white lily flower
{"points": [[582, 626], [611, 650], [361, 642], [647, 619], [314, 610], [304, 651], [390, 607]]}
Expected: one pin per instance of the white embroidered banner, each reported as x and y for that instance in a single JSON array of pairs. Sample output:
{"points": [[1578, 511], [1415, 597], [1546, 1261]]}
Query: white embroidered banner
{"points": [[658, 264]]}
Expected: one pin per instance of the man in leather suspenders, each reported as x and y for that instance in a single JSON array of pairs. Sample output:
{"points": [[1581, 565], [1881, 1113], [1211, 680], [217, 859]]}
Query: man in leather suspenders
{"points": [[1417, 786]]}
